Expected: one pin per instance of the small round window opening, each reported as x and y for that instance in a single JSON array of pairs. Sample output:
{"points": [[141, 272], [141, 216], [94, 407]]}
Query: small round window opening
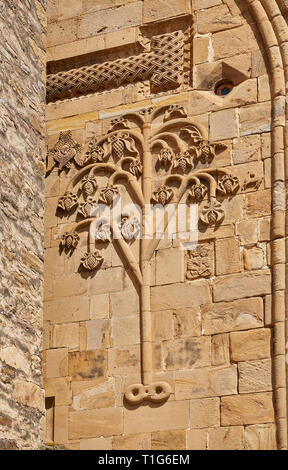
{"points": [[224, 88]]}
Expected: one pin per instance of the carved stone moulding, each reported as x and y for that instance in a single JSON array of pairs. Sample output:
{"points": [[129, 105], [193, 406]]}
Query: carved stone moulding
{"points": [[163, 66], [156, 392]]}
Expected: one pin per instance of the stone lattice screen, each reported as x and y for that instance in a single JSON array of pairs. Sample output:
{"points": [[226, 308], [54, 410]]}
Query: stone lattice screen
{"points": [[148, 345]]}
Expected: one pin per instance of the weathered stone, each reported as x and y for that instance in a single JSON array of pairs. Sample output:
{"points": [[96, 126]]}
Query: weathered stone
{"points": [[260, 437], [186, 353], [237, 286], [88, 365], [206, 382], [132, 442], [29, 394], [223, 125], [205, 412], [95, 423], [197, 439], [169, 266], [255, 376], [229, 316], [166, 440], [226, 438], [180, 296], [247, 409], [157, 418], [251, 344], [227, 256], [220, 349]]}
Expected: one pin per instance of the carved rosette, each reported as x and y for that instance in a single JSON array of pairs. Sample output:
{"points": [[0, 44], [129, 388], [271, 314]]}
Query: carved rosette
{"points": [[118, 143], [69, 240], [68, 201], [103, 234], [163, 195], [108, 194], [136, 168], [64, 152], [228, 185], [86, 208], [212, 213], [183, 162], [165, 157], [89, 185], [197, 192], [130, 227], [95, 152], [92, 261]]}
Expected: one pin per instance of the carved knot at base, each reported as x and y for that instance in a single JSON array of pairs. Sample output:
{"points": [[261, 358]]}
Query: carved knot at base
{"points": [[155, 392]]}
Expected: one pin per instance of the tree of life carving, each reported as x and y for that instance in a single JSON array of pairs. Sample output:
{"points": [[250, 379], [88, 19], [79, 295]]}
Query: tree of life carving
{"points": [[157, 156]]}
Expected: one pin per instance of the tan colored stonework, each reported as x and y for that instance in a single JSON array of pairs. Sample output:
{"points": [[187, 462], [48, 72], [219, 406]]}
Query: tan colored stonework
{"points": [[205, 323]]}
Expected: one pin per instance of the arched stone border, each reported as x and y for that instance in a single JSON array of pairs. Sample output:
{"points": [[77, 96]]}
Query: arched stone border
{"points": [[274, 32]]}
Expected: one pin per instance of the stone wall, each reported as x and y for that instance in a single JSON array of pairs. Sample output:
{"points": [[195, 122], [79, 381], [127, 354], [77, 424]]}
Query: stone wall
{"points": [[22, 164], [208, 317]]}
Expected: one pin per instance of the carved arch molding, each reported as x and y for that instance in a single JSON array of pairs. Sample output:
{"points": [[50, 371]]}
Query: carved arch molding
{"points": [[131, 149]]}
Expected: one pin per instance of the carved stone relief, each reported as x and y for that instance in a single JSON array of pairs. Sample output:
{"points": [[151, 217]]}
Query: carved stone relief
{"points": [[159, 164], [162, 65]]}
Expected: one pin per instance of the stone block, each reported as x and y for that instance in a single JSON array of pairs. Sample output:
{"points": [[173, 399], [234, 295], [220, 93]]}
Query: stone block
{"points": [[132, 442], [155, 10], [220, 352], [260, 437], [229, 316], [200, 50], [234, 42], [254, 408], [187, 353], [162, 328], [56, 362], [99, 396], [127, 16], [197, 439], [167, 440], [253, 258], [226, 438], [216, 19], [154, 418], [205, 413], [251, 344], [124, 360], [95, 334], [228, 259], [247, 230], [255, 376], [179, 296], [124, 303], [107, 280], [85, 365], [223, 125], [95, 423], [60, 388], [237, 286], [206, 382], [169, 266], [125, 331], [61, 424], [66, 335], [67, 310], [258, 204], [187, 322], [99, 306], [246, 149], [255, 119], [28, 394], [100, 443]]}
